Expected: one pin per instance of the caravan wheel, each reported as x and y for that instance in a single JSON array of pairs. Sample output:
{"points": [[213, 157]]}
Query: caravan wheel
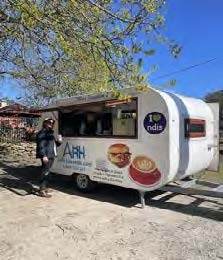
{"points": [[84, 183]]}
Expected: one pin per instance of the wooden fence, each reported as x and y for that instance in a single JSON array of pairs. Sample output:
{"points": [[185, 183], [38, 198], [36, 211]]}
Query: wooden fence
{"points": [[17, 129]]}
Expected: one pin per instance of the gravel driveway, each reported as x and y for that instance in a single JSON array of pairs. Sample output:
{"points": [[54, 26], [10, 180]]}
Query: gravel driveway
{"points": [[107, 224]]}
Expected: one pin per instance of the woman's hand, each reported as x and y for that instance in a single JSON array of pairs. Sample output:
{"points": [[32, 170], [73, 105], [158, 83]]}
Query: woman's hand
{"points": [[45, 159]]}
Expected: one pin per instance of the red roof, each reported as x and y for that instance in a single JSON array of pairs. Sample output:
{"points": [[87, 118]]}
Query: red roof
{"points": [[17, 109]]}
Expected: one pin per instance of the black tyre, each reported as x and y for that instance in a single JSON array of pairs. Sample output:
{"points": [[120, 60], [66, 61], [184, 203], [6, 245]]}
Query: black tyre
{"points": [[84, 183], [188, 178]]}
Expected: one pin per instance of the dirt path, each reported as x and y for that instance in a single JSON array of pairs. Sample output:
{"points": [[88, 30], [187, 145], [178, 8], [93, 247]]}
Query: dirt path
{"points": [[106, 225]]}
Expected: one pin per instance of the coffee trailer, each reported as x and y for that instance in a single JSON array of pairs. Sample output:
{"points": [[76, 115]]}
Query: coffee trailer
{"points": [[144, 143]]}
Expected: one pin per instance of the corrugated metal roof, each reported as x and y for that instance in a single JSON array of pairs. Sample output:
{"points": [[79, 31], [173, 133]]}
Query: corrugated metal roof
{"points": [[17, 109]]}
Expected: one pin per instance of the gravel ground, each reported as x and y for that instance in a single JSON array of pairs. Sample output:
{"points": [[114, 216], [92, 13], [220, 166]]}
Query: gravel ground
{"points": [[107, 224]]}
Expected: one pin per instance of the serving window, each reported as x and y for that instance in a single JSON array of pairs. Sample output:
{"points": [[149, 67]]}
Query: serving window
{"points": [[195, 128], [113, 118]]}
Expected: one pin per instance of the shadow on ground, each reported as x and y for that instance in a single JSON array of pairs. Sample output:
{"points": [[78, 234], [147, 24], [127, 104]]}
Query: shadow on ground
{"points": [[21, 181]]}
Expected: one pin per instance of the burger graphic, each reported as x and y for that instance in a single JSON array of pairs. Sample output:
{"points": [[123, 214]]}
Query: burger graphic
{"points": [[143, 171], [119, 155]]}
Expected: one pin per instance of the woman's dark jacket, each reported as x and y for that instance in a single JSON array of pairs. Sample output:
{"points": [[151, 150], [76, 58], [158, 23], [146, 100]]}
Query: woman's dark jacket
{"points": [[45, 142]]}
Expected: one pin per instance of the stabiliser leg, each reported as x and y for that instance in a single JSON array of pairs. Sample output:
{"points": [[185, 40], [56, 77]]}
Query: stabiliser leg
{"points": [[142, 198]]}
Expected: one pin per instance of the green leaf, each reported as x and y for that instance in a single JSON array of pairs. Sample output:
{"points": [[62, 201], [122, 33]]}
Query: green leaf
{"points": [[149, 52], [140, 63]]}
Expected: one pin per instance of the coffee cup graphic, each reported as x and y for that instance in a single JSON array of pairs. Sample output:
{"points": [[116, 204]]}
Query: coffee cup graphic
{"points": [[143, 171]]}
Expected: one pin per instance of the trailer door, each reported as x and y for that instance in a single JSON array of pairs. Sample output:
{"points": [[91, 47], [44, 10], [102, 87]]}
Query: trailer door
{"points": [[214, 165]]}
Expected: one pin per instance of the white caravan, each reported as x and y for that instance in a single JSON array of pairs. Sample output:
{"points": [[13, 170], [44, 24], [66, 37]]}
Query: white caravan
{"points": [[143, 143]]}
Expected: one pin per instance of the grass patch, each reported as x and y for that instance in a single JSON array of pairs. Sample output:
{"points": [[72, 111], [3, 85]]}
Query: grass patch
{"points": [[212, 176]]}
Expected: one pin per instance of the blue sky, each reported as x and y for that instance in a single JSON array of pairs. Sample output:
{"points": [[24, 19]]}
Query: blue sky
{"points": [[197, 25]]}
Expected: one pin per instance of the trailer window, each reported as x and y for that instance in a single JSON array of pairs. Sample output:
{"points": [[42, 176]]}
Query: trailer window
{"points": [[113, 118], [195, 128]]}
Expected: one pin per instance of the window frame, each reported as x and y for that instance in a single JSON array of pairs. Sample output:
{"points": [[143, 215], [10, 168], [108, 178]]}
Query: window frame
{"points": [[196, 134], [110, 102]]}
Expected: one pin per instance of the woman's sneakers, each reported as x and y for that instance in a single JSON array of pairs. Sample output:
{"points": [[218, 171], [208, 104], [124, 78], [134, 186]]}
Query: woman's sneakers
{"points": [[44, 194]]}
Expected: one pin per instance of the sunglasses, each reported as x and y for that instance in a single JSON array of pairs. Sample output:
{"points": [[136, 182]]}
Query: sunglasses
{"points": [[50, 122], [118, 154]]}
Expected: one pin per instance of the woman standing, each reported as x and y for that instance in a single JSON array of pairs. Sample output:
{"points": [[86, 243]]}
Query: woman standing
{"points": [[46, 151]]}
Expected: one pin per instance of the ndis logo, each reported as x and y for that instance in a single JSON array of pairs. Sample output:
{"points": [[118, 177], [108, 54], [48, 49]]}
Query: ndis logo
{"points": [[154, 123]]}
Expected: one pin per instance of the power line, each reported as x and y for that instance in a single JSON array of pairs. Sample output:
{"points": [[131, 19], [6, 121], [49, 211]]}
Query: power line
{"points": [[185, 69]]}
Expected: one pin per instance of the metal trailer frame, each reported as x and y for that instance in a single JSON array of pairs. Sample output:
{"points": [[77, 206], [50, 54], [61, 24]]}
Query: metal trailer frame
{"points": [[190, 187]]}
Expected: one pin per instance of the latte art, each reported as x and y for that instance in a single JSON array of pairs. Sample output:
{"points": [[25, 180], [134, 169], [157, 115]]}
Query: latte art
{"points": [[144, 164], [143, 171]]}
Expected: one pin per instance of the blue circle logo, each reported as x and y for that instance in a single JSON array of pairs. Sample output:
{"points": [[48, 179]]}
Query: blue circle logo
{"points": [[155, 123]]}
